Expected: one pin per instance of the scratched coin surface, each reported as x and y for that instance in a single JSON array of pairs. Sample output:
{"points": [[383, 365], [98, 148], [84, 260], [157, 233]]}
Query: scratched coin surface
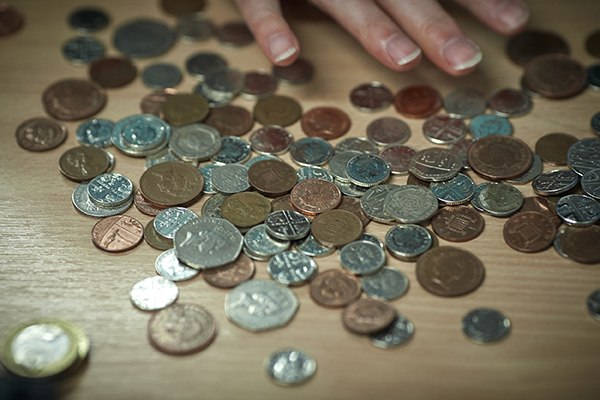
{"points": [[315, 196], [232, 274], [410, 204], [485, 325], [367, 316], [529, 232], [367, 170], [435, 164], [229, 179], [325, 122], [336, 228], [287, 367], [457, 224], [153, 293], [171, 183], [386, 284], [245, 209], [168, 266], [110, 190], [398, 332], [117, 233], [500, 157], [40, 134], [73, 99]]}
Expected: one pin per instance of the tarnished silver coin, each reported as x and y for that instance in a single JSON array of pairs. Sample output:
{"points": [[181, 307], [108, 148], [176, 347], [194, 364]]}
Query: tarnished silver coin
{"points": [[590, 183], [262, 244], [407, 242], [578, 210], [83, 50], [289, 367], [367, 170], [168, 266], [311, 151], [162, 156], [195, 142], [357, 144], [367, 237], [310, 247], [110, 190], [537, 166], [362, 257], [200, 64], [221, 86], [261, 157], [194, 27], [465, 103], [233, 151], [292, 268], [95, 132], [398, 157], [212, 206], [593, 304], [168, 221], [400, 331], [458, 190], [460, 149], [485, 325], [372, 203], [555, 182], [144, 38], [435, 164], [489, 124], [444, 129], [311, 172], [337, 164], [509, 103], [207, 173], [350, 189], [82, 202], [410, 204], [388, 130], [584, 155], [475, 198], [161, 76], [230, 179], [258, 305], [500, 199], [153, 293], [386, 284], [287, 225]]}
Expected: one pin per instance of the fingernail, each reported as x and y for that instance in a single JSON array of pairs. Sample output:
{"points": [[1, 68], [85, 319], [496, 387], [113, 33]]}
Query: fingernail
{"points": [[512, 14], [281, 47], [401, 49], [461, 53]]}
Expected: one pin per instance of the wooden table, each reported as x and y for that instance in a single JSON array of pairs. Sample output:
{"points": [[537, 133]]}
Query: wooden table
{"points": [[50, 268]]}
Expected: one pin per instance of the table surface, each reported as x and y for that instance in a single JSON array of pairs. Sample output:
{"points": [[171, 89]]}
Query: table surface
{"points": [[50, 268]]}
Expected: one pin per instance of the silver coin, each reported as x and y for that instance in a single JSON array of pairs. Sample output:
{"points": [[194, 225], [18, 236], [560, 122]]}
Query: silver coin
{"points": [[444, 129], [500, 199], [458, 190], [212, 206], [593, 81], [557, 243], [593, 304], [400, 331], [578, 210], [206, 242], [362, 258], [584, 155], [398, 157], [233, 151], [357, 144], [259, 305], [88, 19], [386, 284], [435, 164], [388, 130], [337, 164], [195, 142], [555, 182], [371, 97], [289, 367], [111, 160], [460, 149], [287, 225], [372, 203], [367, 237], [161, 76], [258, 242], [590, 183], [311, 172], [509, 103], [258, 85], [201, 64], [292, 268], [311, 151], [230, 179], [254, 256], [410, 204], [153, 293], [82, 202], [537, 166], [489, 124], [83, 50], [168, 221], [367, 170], [168, 266], [350, 189], [95, 132], [485, 325], [310, 247], [271, 139], [207, 173], [407, 242], [141, 135], [110, 190], [595, 123], [161, 156], [194, 27], [465, 103], [475, 198], [221, 86], [144, 38], [261, 157]]}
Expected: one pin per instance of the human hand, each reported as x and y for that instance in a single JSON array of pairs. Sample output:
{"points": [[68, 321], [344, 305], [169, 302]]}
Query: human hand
{"points": [[396, 32]]}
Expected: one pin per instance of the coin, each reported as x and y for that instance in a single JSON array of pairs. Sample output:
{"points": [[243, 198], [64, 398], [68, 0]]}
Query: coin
{"points": [[410, 204], [457, 224], [292, 268], [234, 34], [143, 38], [95, 132], [398, 157], [435, 164], [335, 288], [258, 242], [185, 108], [287, 367], [277, 110], [531, 43], [555, 182], [386, 284], [117, 233], [584, 155], [212, 206], [168, 221], [230, 120], [352, 204], [110, 190], [485, 325], [230, 275], [152, 103], [73, 99], [168, 266], [310, 247], [581, 243], [362, 257], [336, 228], [82, 202], [500, 200], [465, 103], [88, 19], [287, 225], [195, 142], [83, 163], [171, 183], [455, 191], [350, 189], [282, 203], [83, 50], [578, 210], [356, 144], [144, 206], [398, 332], [161, 76], [444, 129], [371, 97], [326, 122], [194, 27], [113, 72], [262, 157], [271, 139], [533, 172], [258, 85], [529, 232], [489, 124], [593, 304], [233, 151], [590, 183], [553, 147], [460, 149], [499, 157], [153, 293], [556, 76], [592, 44], [413, 180], [141, 135], [201, 64], [231, 178], [408, 241], [40, 134], [315, 196], [220, 87], [181, 7], [372, 203], [540, 204], [154, 239], [367, 170], [367, 316], [11, 20], [509, 103], [246, 209], [311, 151], [297, 73], [418, 101]]}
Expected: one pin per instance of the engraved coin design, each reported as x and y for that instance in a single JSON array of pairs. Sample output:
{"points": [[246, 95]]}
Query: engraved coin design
{"points": [[232, 274], [553, 147], [556, 76], [233, 150], [465, 103], [350, 189], [230, 120], [141, 135], [352, 204], [95, 132], [311, 172], [110, 190], [338, 163], [117, 233], [540, 204], [272, 177], [444, 129], [388, 130], [261, 157], [292, 268], [259, 242], [461, 148], [398, 157], [271, 140], [367, 237], [529, 232], [475, 199], [230, 179], [245, 209], [584, 155], [168, 266], [488, 125], [555, 182], [590, 183], [168, 221], [287, 367], [581, 244], [212, 206], [362, 258], [287, 225], [485, 325], [336, 228], [457, 224], [398, 332], [371, 97], [315, 196], [40, 134], [372, 203], [82, 202], [298, 72], [500, 157], [311, 151], [73, 99], [578, 210], [367, 316], [435, 164], [155, 240], [360, 144], [458, 190], [410, 204], [335, 288], [500, 200], [418, 101], [83, 50], [207, 173], [153, 293], [408, 241], [387, 284], [367, 170], [509, 103], [593, 304], [144, 38], [258, 85], [325, 122], [277, 110], [201, 64], [161, 76], [310, 247], [185, 108], [171, 183]]}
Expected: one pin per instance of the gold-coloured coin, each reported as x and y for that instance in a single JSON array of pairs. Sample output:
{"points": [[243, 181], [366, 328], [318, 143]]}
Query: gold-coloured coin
{"points": [[277, 110], [246, 209], [154, 239], [553, 147], [185, 108], [336, 228], [83, 163]]}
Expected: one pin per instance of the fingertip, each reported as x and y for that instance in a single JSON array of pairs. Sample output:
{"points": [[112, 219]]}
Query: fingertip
{"points": [[283, 49], [461, 55], [403, 53], [512, 16]]}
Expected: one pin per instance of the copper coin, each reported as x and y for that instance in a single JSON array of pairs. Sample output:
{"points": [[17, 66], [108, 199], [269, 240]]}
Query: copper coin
{"points": [[230, 120], [185, 108], [457, 224], [315, 196], [336, 228], [234, 34], [581, 244], [271, 139], [171, 183], [156, 240], [371, 97], [245, 209], [529, 231], [335, 288], [592, 44], [352, 204], [117, 233], [258, 85], [282, 203], [418, 101], [153, 103], [144, 206], [368, 316], [413, 180], [449, 271], [40, 134], [556, 76], [272, 177], [182, 329], [325, 122], [181, 7], [83, 163], [11, 20], [540, 204], [73, 99], [298, 72], [232, 274], [113, 72], [499, 157], [277, 110], [531, 43], [553, 147]]}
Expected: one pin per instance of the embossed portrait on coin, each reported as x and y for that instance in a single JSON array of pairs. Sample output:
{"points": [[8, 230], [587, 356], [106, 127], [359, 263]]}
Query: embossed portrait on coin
{"points": [[448, 273], [500, 155], [41, 134], [171, 182], [208, 242]]}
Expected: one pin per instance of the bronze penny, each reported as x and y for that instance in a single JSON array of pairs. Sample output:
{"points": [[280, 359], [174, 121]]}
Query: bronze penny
{"points": [[258, 85], [277, 110], [592, 44], [230, 120], [581, 244], [83, 163], [282, 203], [171, 183], [245, 209], [113, 72], [541, 204], [271, 139], [144, 206], [499, 157], [155, 240], [336, 228], [153, 103], [315, 196], [234, 34], [553, 147], [529, 231], [457, 224], [413, 180], [418, 101], [368, 316], [298, 72], [352, 204], [272, 177], [556, 76], [335, 288], [40, 134], [182, 329], [181, 7], [325, 122], [117, 233], [232, 274], [11, 20], [185, 108], [73, 99], [531, 43], [449, 271]]}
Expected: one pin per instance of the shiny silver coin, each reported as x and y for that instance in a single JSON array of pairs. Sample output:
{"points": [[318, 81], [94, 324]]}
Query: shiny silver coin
{"points": [[400, 331], [444, 129], [271, 139], [371, 97], [458, 190], [168, 221], [111, 160], [555, 182], [475, 198], [350, 189], [207, 173], [367, 237], [465, 103], [95, 132], [221, 86], [310, 247], [485, 325], [593, 304], [201, 64], [338, 163], [88, 19], [584, 155], [398, 157], [194, 27], [460, 149], [195, 142], [259, 305], [254, 256], [82, 202], [388, 130], [161, 156], [407, 242], [509, 103], [367, 170], [230, 179], [287, 225], [261, 157], [233, 151], [557, 243], [362, 258], [372, 203], [311, 151], [435, 164], [311, 172], [356, 144], [258, 85], [410, 204], [110, 190], [590, 183], [386, 284], [168, 266], [578, 210], [83, 50], [258, 242], [144, 38], [153, 293], [289, 367], [489, 124], [141, 135], [292, 268], [212, 206], [537, 166], [500, 200], [161, 76]]}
